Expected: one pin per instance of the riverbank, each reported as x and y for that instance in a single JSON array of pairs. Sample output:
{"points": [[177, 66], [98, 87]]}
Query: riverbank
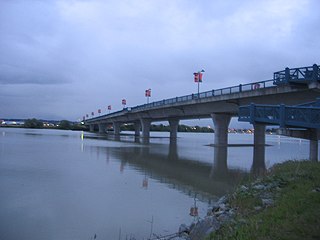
{"points": [[284, 204]]}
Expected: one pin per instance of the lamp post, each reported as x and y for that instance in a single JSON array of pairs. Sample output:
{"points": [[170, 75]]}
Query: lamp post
{"points": [[148, 94], [198, 79]]}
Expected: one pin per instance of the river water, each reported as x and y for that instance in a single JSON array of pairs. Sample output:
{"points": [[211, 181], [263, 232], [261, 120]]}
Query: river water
{"points": [[65, 185]]}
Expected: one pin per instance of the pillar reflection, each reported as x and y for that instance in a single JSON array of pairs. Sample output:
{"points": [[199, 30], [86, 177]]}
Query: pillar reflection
{"points": [[220, 166]]}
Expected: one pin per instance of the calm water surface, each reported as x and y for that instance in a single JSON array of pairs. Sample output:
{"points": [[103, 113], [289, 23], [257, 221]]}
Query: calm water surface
{"points": [[69, 185]]}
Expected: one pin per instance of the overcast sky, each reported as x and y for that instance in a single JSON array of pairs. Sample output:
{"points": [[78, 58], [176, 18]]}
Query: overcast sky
{"points": [[65, 59]]}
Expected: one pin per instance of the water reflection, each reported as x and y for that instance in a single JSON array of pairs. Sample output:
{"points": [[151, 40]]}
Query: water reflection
{"points": [[162, 163]]}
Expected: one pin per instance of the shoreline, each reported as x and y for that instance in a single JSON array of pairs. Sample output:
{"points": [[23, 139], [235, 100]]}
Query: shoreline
{"points": [[251, 210]]}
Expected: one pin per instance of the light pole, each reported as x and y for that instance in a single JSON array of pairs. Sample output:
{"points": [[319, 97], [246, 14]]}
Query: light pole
{"points": [[198, 79], [148, 94]]}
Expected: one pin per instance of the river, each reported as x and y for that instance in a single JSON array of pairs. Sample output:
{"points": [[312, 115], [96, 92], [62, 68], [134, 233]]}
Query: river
{"points": [[65, 185]]}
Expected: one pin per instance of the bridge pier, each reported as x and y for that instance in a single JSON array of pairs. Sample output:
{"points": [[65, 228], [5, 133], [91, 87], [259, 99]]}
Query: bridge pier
{"points": [[137, 126], [259, 138], [174, 123], [116, 128], [102, 127], [145, 123], [221, 123], [314, 151], [91, 127]]}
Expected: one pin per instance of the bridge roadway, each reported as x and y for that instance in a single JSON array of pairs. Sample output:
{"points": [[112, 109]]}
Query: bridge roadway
{"points": [[220, 105]]}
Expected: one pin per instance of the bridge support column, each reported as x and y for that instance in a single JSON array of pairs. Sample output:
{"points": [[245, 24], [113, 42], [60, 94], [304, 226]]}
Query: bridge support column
{"points": [[102, 127], [314, 151], [259, 134], [221, 123], [145, 123], [137, 126], [174, 123], [116, 128], [91, 127]]}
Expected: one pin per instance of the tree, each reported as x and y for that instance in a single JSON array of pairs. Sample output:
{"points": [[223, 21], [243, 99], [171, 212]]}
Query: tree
{"points": [[64, 124], [33, 123]]}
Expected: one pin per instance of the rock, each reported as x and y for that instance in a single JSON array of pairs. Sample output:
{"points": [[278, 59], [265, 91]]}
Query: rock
{"points": [[259, 187], [257, 208], [224, 218], [243, 188], [222, 200], [183, 229], [267, 201], [202, 227], [316, 189]]}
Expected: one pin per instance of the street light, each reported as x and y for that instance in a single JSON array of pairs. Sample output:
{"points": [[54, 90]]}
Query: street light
{"points": [[198, 79], [148, 94]]}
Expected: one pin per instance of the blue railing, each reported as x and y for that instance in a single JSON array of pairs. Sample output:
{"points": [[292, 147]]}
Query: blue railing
{"points": [[282, 115], [297, 75], [208, 94]]}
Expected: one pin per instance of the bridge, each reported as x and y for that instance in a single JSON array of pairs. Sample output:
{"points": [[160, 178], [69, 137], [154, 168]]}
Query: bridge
{"points": [[290, 87]]}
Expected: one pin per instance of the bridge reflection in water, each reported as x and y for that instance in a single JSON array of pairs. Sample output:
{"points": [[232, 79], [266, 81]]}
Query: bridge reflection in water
{"points": [[162, 163]]}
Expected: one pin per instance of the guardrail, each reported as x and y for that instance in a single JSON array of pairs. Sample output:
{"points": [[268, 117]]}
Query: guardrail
{"points": [[207, 94], [216, 92], [297, 75], [282, 115]]}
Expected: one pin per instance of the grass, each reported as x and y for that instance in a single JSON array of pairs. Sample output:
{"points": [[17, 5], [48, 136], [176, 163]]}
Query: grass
{"points": [[295, 213]]}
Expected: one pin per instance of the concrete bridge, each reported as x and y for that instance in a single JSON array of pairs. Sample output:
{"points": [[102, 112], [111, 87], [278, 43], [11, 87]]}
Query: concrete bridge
{"points": [[290, 87]]}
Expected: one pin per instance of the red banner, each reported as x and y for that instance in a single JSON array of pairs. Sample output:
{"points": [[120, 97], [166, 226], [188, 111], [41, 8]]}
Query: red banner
{"points": [[109, 107], [124, 102], [196, 77], [148, 93], [99, 110], [92, 113]]}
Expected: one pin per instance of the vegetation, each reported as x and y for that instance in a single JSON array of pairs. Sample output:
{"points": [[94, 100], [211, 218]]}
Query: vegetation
{"points": [[33, 123], [294, 213]]}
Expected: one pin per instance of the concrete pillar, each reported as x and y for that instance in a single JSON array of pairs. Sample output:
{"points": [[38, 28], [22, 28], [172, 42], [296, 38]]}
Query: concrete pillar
{"points": [[259, 134], [137, 126], [314, 151], [91, 127], [221, 123], [258, 167], [116, 128], [102, 127], [174, 123], [145, 123]]}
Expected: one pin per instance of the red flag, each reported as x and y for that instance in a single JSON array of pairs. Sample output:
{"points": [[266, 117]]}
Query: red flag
{"points": [[200, 77], [109, 107], [99, 110], [148, 93], [124, 102], [92, 113], [87, 115], [196, 77]]}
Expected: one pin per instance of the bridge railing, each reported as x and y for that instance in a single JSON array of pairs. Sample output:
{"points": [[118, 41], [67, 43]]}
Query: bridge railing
{"points": [[297, 75], [207, 94], [296, 116]]}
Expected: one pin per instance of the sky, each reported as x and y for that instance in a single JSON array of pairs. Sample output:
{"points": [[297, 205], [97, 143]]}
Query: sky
{"points": [[64, 59]]}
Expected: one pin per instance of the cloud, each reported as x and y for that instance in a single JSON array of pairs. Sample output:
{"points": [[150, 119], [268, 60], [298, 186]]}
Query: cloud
{"points": [[98, 52]]}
